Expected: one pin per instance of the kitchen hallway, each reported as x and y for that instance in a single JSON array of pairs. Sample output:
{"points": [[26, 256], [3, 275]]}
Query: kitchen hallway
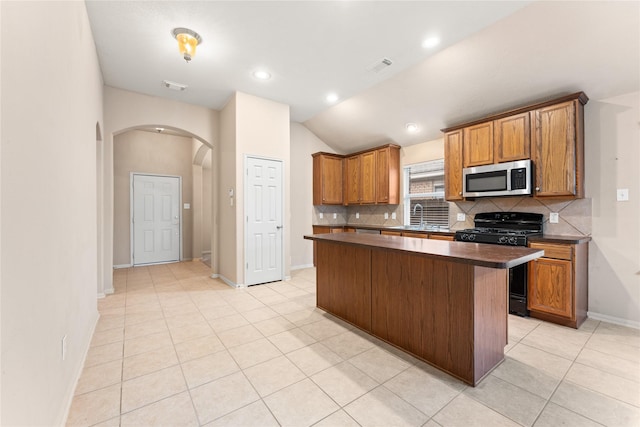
{"points": [[175, 347]]}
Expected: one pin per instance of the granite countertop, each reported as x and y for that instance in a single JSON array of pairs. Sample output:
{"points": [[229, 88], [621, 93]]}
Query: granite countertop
{"points": [[492, 256], [567, 240]]}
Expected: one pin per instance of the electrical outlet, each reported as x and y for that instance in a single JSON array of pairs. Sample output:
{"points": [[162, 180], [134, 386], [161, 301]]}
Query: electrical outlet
{"points": [[393, 215], [553, 217], [335, 215], [321, 215], [357, 215], [461, 217], [386, 215], [64, 347], [622, 195]]}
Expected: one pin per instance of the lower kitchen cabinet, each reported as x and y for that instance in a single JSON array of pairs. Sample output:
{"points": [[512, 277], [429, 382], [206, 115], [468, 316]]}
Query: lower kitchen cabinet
{"points": [[557, 284]]}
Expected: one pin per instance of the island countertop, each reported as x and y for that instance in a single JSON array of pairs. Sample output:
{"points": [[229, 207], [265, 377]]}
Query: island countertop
{"points": [[485, 255]]}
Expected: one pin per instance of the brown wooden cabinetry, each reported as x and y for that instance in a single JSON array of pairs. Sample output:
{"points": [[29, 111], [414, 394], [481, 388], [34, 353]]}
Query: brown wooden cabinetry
{"points": [[325, 229], [327, 179], [373, 176], [388, 175], [453, 165], [360, 180], [557, 284], [441, 237], [478, 145], [550, 133], [558, 150], [512, 138]]}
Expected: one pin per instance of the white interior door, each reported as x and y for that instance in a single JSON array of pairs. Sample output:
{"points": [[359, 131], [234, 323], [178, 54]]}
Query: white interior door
{"points": [[156, 219], [264, 233]]}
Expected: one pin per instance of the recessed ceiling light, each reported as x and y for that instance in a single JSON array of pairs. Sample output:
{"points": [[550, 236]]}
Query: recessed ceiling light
{"points": [[159, 130], [411, 127], [430, 42], [261, 75], [332, 97]]}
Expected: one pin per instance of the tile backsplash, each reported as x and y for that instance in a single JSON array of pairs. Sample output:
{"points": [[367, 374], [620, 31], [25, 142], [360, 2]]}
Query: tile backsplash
{"points": [[574, 215]]}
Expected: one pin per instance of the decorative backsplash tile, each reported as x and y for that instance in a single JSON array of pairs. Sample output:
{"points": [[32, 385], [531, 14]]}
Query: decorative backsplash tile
{"points": [[574, 215]]}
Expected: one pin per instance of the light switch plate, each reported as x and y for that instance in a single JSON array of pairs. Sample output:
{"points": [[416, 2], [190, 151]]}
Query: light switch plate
{"points": [[622, 194], [357, 215], [187, 205], [386, 215], [393, 215], [461, 217], [335, 215], [553, 217]]}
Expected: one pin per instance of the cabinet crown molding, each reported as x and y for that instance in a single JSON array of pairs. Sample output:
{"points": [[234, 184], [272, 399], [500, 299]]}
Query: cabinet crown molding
{"points": [[580, 96]]}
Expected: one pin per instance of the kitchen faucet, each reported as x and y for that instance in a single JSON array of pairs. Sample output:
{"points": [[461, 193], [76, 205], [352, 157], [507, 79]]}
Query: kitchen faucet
{"points": [[421, 214]]}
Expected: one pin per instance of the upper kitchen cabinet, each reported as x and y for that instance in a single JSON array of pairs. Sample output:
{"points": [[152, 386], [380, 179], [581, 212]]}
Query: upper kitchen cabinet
{"points": [[478, 145], [327, 179], [512, 138], [360, 184], [558, 149], [453, 165], [550, 133], [373, 176], [388, 175]]}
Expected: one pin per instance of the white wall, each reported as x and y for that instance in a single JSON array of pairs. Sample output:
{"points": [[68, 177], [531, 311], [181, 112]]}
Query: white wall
{"points": [[612, 156], [303, 144], [249, 126], [153, 153], [124, 110], [51, 101]]}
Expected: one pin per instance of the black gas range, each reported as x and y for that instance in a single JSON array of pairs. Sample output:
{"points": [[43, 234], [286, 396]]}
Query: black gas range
{"points": [[507, 228], [502, 228]]}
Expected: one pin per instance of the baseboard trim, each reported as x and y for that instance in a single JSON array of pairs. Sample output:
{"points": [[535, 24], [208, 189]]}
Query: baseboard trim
{"points": [[78, 373], [616, 320], [118, 266], [229, 282], [300, 267]]}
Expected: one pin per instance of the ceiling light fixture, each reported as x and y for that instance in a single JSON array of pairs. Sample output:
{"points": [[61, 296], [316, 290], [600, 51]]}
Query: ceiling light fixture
{"points": [[159, 130], [430, 42], [332, 97], [261, 75], [411, 127], [187, 42]]}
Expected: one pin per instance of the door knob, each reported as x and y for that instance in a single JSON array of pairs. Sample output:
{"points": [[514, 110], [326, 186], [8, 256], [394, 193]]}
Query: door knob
{"points": [[278, 227]]}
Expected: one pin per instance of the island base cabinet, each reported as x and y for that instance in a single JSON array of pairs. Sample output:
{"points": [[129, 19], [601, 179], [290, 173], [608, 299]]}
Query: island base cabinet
{"points": [[344, 275], [451, 315]]}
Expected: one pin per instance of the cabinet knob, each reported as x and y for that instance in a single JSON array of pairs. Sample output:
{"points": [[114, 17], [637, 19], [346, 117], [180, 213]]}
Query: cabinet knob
{"points": [[460, 193], [537, 188]]}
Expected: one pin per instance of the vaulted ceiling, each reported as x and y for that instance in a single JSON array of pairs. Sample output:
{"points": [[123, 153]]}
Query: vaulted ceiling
{"points": [[491, 56]]}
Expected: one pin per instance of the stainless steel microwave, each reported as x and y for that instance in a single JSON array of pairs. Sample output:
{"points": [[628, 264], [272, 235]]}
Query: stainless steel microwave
{"points": [[500, 179]]}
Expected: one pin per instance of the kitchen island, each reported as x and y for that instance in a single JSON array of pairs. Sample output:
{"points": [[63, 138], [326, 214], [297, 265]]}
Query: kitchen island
{"points": [[444, 302]]}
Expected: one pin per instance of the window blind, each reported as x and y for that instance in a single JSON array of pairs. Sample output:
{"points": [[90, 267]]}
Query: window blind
{"points": [[424, 188]]}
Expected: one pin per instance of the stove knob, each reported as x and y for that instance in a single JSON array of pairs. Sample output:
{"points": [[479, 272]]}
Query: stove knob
{"points": [[472, 237], [502, 240], [513, 241]]}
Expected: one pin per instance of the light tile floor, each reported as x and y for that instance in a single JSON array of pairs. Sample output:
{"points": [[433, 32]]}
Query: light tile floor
{"points": [[175, 347]]}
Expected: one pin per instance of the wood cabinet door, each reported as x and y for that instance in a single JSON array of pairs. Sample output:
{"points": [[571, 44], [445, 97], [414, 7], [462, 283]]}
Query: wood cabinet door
{"points": [[478, 145], [453, 165], [382, 175], [512, 138], [352, 180], [554, 150], [551, 287], [327, 180], [368, 177]]}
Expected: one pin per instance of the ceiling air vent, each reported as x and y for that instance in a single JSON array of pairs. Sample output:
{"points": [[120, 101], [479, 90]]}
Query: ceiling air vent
{"points": [[174, 86], [378, 66]]}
